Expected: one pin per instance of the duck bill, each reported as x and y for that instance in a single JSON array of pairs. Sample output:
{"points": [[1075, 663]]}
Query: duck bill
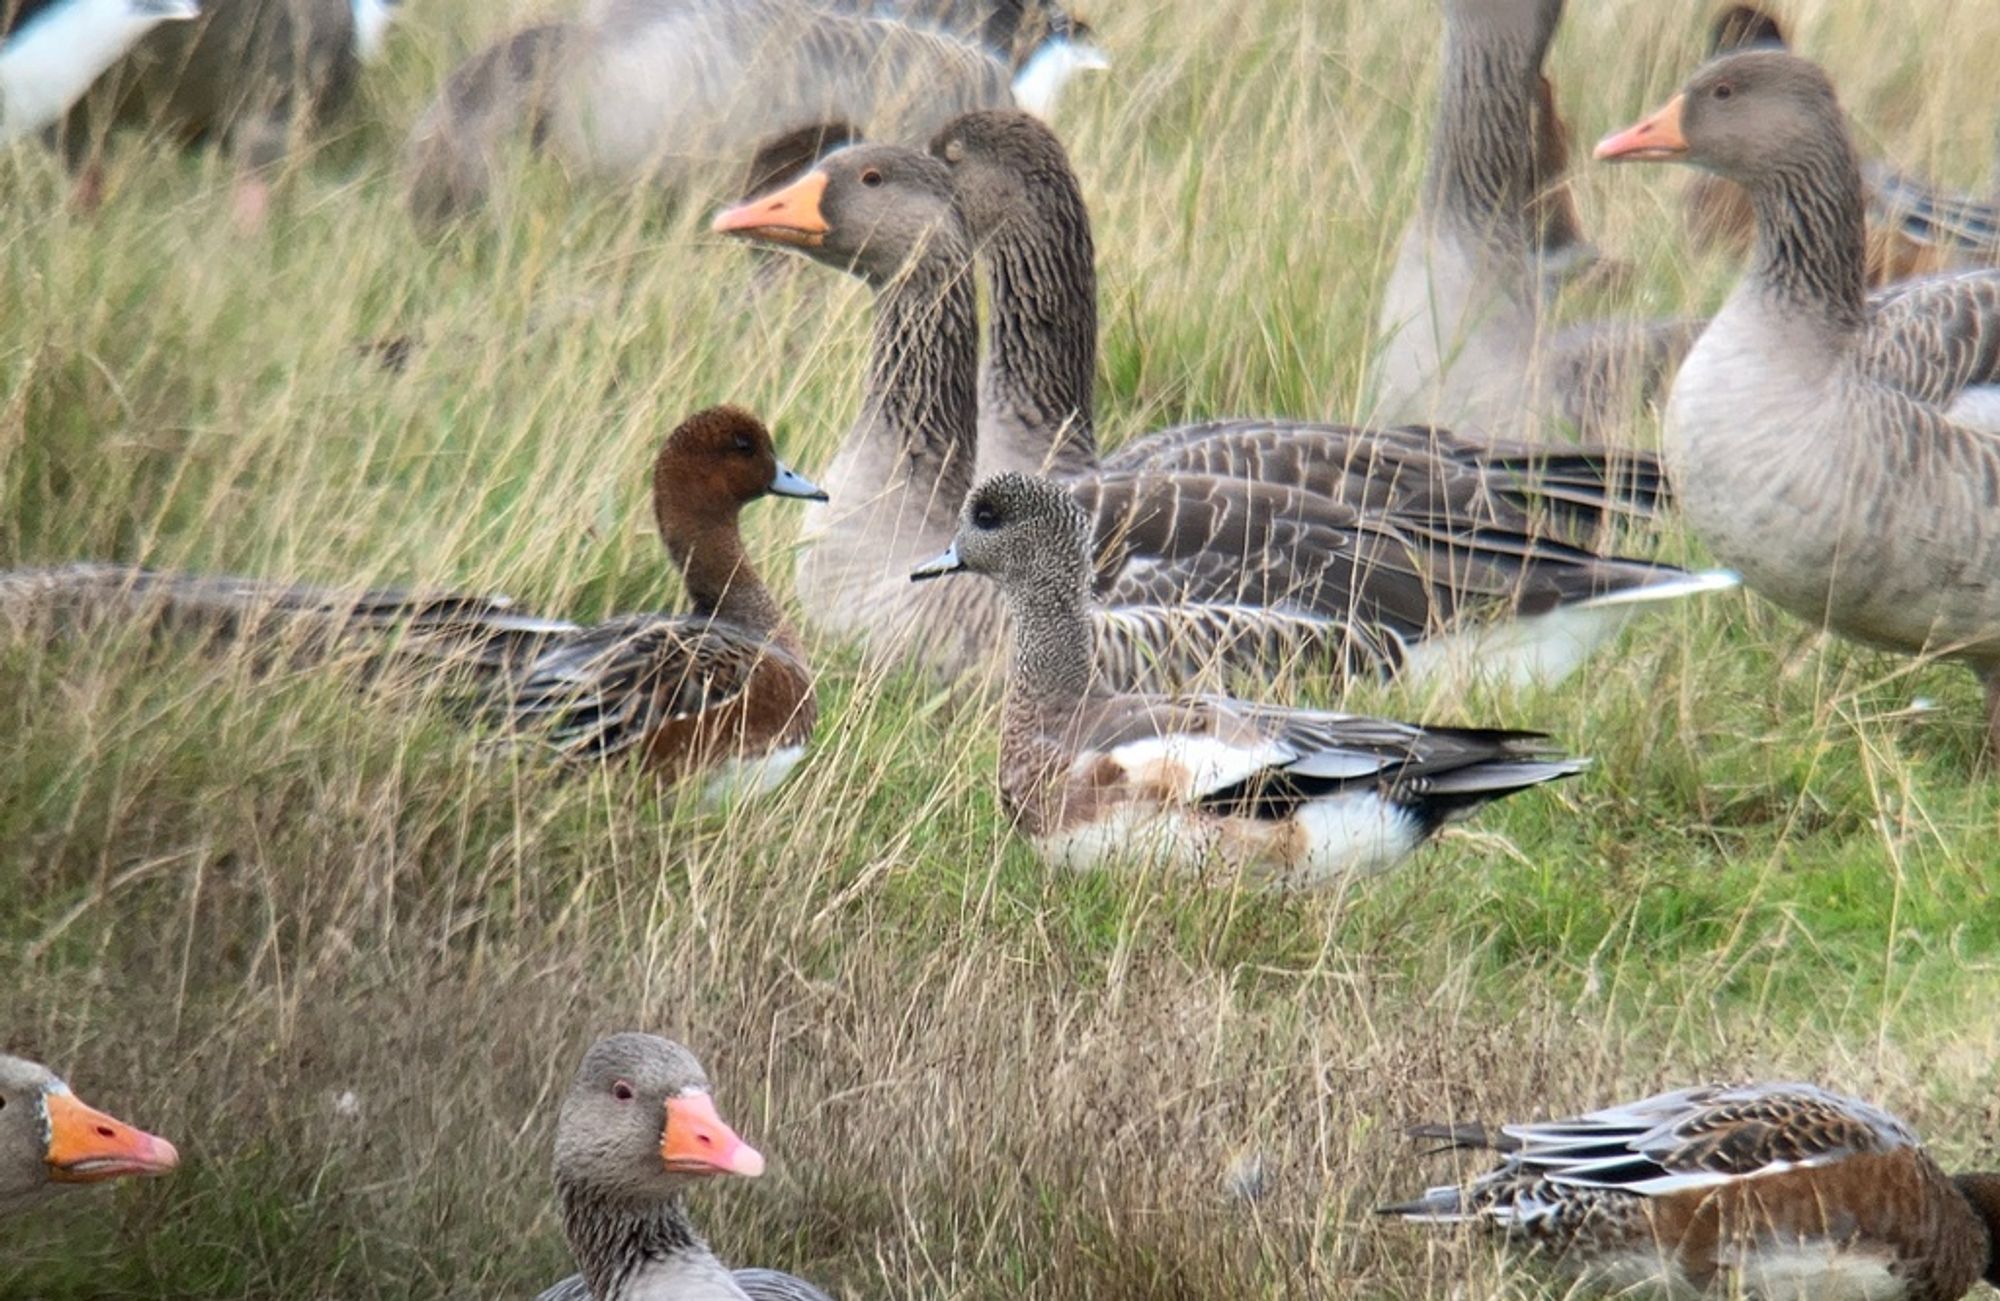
{"points": [[696, 1142], [788, 216], [1658, 139], [788, 482], [938, 566], [86, 1146]]}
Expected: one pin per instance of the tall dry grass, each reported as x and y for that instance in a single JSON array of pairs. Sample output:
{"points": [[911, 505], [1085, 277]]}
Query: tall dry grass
{"points": [[347, 956]]}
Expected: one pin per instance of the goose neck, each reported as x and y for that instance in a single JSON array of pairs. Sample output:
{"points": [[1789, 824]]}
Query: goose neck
{"points": [[1040, 371], [1481, 175], [619, 1245], [1811, 253], [923, 367]]}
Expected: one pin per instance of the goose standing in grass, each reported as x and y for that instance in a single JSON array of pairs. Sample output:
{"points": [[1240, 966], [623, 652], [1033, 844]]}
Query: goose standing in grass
{"points": [[1842, 453], [243, 74], [682, 92], [1914, 228], [49, 1140], [1760, 1190], [1195, 569], [1289, 797], [52, 50], [1462, 343], [723, 691], [637, 1127]]}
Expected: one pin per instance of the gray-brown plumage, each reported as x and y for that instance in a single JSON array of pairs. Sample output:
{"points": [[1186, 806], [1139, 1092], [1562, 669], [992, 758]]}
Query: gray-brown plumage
{"points": [[246, 74], [1025, 210], [1015, 30], [1758, 1190], [1096, 777], [1462, 342], [1265, 559], [1842, 452], [685, 93], [1914, 227], [637, 1127]]}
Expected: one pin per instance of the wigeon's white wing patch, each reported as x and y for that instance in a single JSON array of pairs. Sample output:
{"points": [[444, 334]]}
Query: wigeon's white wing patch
{"points": [[1182, 768], [1351, 834], [747, 777]]}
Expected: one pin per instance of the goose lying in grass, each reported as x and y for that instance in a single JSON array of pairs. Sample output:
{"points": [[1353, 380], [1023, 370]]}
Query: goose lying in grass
{"points": [[1024, 209], [1914, 228], [1195, 570], [49, 1140], [1756, 1190], [722, 692], [637, 1128], [1096, 777], [244, 74], [52, 50], [686, 92], [1462, 342], [1843, 453]]}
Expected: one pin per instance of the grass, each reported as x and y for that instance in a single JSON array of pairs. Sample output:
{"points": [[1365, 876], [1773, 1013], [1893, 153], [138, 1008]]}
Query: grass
{"points": [[228, 899]]}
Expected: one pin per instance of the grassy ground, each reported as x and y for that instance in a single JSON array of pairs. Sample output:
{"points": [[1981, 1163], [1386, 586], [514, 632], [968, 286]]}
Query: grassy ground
{"points": [[227, 899]]}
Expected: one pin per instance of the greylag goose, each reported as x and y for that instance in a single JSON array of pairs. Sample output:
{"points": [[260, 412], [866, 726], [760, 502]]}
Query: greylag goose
{"points": [[722, 691], [1914, 228], [1843, 453], [50, 1140], [52, 50], [1754, 1190], [1288, 797], [685, 92], [1025, 210], [1194, 570], [1462, 342], [637, 1127], [241, 74]]}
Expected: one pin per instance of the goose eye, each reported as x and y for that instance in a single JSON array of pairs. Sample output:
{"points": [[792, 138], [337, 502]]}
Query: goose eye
{"points": [[1724, 91], [985, 517], [622, 1091], [871, 177]]}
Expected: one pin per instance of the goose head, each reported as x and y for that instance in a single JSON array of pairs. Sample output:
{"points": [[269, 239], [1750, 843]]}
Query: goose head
{"points": [[1003, 164], [48, 1138], [869, 209], [1740, 116], [638, 1125], [1027, 533]]}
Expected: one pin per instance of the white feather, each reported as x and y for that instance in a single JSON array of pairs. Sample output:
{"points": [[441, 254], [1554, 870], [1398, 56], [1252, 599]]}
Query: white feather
{"points": [[372, 20], [1038, 86], [1977, 408], [749, 777], [47, 65], [1192, 766]]}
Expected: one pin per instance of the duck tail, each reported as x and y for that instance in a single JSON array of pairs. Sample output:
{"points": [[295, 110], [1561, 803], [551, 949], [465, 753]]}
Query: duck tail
{"points": [[449, 158], [483, 636], [1443, 1205]]}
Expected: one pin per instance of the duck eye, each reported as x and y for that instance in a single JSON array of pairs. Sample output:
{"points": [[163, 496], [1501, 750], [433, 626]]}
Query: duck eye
{"points": [[744, 444], [1724, 90], [623, 1091], [871, 177], [985, 517]]}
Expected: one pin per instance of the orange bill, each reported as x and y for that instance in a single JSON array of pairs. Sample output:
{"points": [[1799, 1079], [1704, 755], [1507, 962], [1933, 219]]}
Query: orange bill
{"points": [[1656, 139], [788, 216], [86, 1146], [696, 1142]]}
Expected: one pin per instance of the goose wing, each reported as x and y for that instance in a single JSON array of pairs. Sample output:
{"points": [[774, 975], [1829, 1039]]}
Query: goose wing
{"points": [[1937, 337]]}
